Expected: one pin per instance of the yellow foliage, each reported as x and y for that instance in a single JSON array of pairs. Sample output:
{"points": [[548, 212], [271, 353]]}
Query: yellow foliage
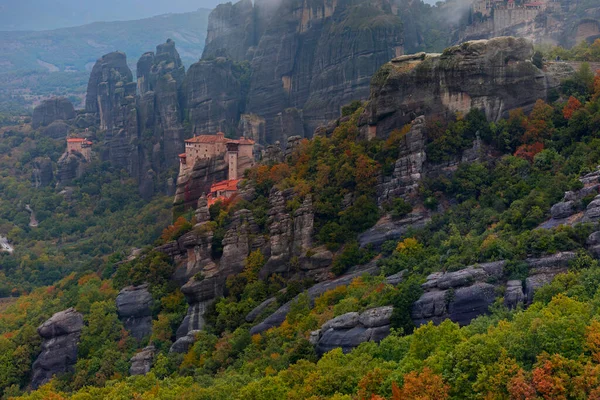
{"points": [[408, 246]]}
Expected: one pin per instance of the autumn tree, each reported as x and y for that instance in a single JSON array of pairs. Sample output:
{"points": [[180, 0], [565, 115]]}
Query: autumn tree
{"points": [[572, 105], [424, 385]]}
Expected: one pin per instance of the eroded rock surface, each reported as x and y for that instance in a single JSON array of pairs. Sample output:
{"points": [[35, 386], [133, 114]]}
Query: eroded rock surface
{"points": [[141, 362], [60, 336], [494, 75], [351, 329], [134, 306], [466, 294]]}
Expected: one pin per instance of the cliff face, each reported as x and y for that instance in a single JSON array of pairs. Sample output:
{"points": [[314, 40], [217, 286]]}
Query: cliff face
{"points": [[231, 31], [494, 75], [307, 58], [562, 23], [213, 96]]}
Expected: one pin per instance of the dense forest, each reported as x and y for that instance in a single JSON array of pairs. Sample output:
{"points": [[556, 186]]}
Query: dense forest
{"points": [[487, 210]]}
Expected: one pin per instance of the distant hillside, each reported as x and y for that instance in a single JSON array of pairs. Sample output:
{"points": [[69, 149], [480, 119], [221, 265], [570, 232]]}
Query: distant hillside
{"points": [[38, 15], [76, 49]]}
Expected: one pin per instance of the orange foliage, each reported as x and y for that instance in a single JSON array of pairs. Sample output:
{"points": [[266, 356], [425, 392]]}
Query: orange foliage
{"points": [[370, 384], [169, 232], [572, 105], [424, 385], [592, 340], [551, 379], [279, 172], [528, 151], [520, 388]]}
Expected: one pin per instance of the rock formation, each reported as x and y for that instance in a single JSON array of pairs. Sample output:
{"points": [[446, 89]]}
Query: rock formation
{"points": [[60, 336], [160, 79], [42, 174], [558, 22], [306, 60], [466, 294], [54, 109], [141, 362], [277, 318], [443, 84], [351, 329], [70, 166], [134, 306], [572, 209]]}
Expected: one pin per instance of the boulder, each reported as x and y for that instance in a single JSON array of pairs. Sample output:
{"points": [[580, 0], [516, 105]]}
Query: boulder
{"points": [[376, 317], [134, 306], [514, 294], [344, 321], [141, 362], [60, 336], [563, 209], [183, 344], [351, 329]]}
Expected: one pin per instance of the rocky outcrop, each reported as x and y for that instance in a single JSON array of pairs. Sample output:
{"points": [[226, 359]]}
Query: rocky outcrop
{"points": [[160, 79], [443, 84], [196, 181], [315, 291], [388, 228], [291, 237], [70, 166], [134, 306], [183, 343], [572, 209], [466, 294], [41, 174], [409, 167], [141, 362], [108, 70], [54, 109], [60, 336], [351, 329]]}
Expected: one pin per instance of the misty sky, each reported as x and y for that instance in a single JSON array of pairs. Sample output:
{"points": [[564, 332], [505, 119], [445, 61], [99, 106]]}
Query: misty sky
{"points": [[52, 14]]}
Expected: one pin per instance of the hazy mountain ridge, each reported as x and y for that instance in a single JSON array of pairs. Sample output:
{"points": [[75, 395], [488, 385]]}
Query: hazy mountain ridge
{"points": [[38, 15], [71, 49]]}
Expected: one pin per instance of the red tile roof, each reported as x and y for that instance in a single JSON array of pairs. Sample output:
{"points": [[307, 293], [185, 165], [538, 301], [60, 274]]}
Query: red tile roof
{"points": [[218, 138], [207, 139], [75, 140], [182, 155], [230, 185]]}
